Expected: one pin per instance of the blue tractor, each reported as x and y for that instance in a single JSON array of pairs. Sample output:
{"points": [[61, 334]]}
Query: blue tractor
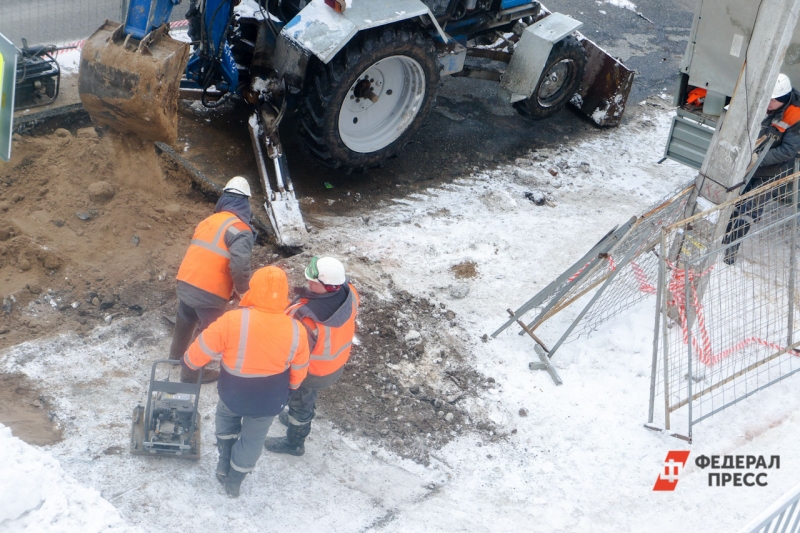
{"points": [[362, 74]]}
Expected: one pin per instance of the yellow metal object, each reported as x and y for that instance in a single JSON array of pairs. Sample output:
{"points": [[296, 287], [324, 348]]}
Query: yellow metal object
{"points": [[132, 86]]}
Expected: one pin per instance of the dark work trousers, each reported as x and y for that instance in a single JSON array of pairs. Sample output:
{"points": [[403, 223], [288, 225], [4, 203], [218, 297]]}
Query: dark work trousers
{"points": [[250, 432], [302, 402], [187, 320], [747, 213]]}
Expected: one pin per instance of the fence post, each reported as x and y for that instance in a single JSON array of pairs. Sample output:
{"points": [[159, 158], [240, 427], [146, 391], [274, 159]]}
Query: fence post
{"points": [[656, 330], [793, 257], [687, 283], [664, 321]]}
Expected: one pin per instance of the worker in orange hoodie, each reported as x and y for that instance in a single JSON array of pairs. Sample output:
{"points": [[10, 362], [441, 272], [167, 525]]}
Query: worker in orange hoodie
{"points": [[328, 309], [264, 354]]}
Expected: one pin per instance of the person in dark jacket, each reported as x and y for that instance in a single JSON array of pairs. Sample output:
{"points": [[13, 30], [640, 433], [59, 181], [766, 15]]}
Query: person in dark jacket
{"points": [[328, 309], [216, 266], [783, 122]]}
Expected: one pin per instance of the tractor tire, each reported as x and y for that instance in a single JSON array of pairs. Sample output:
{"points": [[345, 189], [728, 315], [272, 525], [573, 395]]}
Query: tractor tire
{"points": [[559, 82], [365, 105]]}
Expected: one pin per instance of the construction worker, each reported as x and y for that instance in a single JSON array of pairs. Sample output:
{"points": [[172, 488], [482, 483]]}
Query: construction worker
{"points": [[264, 354], [328, 309], [216, 265], [783, 123]]}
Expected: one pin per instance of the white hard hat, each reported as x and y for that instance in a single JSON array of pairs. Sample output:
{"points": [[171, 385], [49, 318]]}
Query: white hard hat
{"points": [[326, 270], [782, 87], [238, 185]]}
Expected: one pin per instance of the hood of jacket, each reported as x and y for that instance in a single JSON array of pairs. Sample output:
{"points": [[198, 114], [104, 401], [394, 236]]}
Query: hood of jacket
{"points": [[269, 290], [339, 317], [237, 204]]}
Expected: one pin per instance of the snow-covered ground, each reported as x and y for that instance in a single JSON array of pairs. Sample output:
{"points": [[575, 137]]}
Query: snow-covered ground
{"points": [[580, 460]]}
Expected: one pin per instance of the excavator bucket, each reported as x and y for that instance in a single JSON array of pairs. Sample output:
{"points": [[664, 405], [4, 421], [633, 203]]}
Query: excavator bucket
{"points": [[132, 85]]}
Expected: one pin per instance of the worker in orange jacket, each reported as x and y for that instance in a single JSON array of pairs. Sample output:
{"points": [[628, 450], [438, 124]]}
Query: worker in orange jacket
{"points": [[264, 354], [216, 265], [328, 309]]}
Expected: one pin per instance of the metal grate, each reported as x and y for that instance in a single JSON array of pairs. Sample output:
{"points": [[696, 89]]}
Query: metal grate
{"points": [[728, 320]]}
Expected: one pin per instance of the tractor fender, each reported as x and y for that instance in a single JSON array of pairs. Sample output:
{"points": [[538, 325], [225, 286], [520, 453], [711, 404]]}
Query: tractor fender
{"points": [[530, 55], [323, 32]]}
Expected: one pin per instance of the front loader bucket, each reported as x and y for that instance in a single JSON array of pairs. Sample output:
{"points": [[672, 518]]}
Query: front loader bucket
{"points": [[605, 86], [132, 86]]}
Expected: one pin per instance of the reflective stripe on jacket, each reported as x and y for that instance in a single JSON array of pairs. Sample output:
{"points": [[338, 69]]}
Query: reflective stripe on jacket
{"points": [[206, 264], [333, 342], [790, 117], [262, 356]]}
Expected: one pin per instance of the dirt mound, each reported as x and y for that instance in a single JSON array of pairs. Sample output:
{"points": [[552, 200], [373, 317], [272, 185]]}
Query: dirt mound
{"points": [[26, 411], [91, 227]]}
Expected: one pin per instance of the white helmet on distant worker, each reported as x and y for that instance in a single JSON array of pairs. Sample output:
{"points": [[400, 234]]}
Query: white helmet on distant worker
{"points": [[326, 270], [238, 185], [783, 86]]}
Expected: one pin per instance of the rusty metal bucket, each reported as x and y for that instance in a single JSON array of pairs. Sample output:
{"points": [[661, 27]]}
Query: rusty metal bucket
{"points": [[132, 86]]}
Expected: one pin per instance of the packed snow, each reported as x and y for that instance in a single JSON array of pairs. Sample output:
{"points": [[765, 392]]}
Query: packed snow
{"points": [[578, 460]]}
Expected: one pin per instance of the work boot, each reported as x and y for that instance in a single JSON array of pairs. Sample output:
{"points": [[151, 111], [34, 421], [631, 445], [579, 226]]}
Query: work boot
{"points": [[233, 482], [188, 375], [224, 447], [293, 443], [210, 375], [283, 418], [181, 337]]}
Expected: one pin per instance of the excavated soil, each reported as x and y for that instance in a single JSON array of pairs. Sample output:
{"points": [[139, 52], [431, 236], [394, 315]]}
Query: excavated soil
{"points": [[93, 227]]}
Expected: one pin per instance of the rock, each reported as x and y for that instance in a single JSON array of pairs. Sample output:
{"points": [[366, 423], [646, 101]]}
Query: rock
{"points": [[397, 442], [414, 389], [95, 301], [172, 209], [101, 191], [4, 206], [64, 133], [523, 412], [485, 337], [35, 288], [50, 261], [4, 330], [585, 167], [24, 264], [142, 225], [107, 303], [87, 133], [8, 305], [459, 291], [90, 295], [552, 171], [412, 336], [448, 417], [17, 198], [37, 403], [5, 234], [450, 315], [537, 197], [440, 414]]}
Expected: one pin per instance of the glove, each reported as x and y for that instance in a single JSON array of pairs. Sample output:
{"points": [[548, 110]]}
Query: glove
{"points": [[753, 160]]}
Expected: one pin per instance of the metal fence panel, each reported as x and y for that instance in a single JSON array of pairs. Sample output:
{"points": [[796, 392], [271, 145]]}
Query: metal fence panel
{"points": [[730, 323], [62, 21]]}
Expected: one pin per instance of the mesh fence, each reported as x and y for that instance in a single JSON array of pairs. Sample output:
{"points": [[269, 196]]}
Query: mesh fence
{"points": [[628, 255], [729, 324], [62, 21]]}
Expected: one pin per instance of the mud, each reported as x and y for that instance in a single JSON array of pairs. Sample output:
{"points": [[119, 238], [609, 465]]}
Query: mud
{"points": [[25, 410], [93, 226]]}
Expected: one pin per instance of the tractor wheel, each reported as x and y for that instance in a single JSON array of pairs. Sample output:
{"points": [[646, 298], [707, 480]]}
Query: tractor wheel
{"points": [[367, 102], [560, 80]]}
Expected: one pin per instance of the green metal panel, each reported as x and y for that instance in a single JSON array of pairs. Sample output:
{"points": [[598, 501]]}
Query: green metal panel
{"points": [[9, 53], [688, 142]]}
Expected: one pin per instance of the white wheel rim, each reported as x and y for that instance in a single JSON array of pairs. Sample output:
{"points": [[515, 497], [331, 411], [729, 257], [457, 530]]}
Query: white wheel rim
{"points": [[381, 104]]}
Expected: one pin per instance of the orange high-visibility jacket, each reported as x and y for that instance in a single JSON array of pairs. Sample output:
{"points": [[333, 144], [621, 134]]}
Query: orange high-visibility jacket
{"points": [[696, 96], [263, 351], [206, 264], [334, 336], [790, 117]]}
